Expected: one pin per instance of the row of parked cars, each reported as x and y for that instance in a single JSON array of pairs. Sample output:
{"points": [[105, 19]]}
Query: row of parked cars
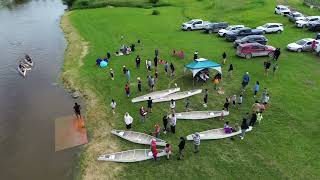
{"points": [[249, 42], [300, 20]]}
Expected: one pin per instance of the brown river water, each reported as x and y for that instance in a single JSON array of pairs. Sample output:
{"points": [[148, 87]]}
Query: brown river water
{"points": [[28, 107]]}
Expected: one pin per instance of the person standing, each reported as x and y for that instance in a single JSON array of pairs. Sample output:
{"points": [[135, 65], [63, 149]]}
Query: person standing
{"points": [[108, 55], [152, 82], [143, 114], [234, 100], [156, 75], [276, 54], [149, 104], [172, 69], [77, 109], [196, 142], [230, 70], [240, 101], [168, 150], [244, 127], [226, 104], [165, 123], [256, 88], [264, 93], [245, 80], [172, 105], [155, 61], [274, 68], [111, 74], [253, 119], [149, 64], [138, 61], [224, 57], [173, 123], [154, 149], [166, 66], [187, 104], [267, 68], [113, 106], [124, 69], [195, 55], [265, 100], [156, 52], [157, 131], [139, 84], [128, 75], [181, 147], [128, 120], [205, 98], [127, 89], [149, 82]]}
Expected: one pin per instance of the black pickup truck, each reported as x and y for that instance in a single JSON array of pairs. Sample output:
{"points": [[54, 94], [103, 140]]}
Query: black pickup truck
{"points": [[242, 32]]}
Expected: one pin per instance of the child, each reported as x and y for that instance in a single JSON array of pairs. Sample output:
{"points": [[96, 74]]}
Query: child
{"points": [[127, 89], [168, 150], [256, 88], [157, 131], [222, 114], [113, 106], [234, 99], [239, 101], [139, 84], [112, 74]]}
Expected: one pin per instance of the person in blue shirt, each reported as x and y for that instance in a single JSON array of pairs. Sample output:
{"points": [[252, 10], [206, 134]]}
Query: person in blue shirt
{"points": [[256, 88], [106, 59], [245, 80], [98, 61]]}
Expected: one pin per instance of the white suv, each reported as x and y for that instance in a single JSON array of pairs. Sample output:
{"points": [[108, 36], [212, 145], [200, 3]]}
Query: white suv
{"points": [[282, 10], [307, 21], [222, 32], [271, 28]]}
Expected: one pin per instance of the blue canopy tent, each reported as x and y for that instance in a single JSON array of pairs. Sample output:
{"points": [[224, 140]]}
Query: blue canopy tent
{"points": [[198, 65]]}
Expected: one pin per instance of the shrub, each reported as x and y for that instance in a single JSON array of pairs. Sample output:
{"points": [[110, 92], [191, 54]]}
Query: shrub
{"points": [[155, 12], [84, 3], [154, 1]]}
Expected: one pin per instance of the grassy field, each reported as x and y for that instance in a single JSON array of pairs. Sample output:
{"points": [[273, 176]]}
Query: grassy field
{"points": [[284, 146]]}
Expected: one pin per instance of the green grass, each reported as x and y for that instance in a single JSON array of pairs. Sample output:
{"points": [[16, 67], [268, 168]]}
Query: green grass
{"points": [[284, 146]]}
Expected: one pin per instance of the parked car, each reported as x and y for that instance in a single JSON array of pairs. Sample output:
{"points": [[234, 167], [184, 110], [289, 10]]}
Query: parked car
{"points": [[242, 32], [250, 50], [282, 10], [315, 27], [195, 24], [271, 27], [215, 27], [307, 21], [222, 32], [301, 45], [317, 50], [295, 16], [318, 36], [261, 39]]}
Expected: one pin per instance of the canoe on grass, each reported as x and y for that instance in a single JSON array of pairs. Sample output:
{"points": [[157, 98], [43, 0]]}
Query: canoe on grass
{"points": [[195, 115], [216, 134], [178, 95], [155, 95], [137, 137], [134, 155]]}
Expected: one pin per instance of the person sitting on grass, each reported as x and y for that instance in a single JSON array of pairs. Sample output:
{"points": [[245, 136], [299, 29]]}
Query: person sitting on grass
{"points": [[98, 61], [196, 142], [227, 129]]}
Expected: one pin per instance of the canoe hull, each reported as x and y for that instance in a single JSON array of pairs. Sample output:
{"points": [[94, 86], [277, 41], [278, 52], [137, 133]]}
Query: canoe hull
{"points": [[215, 134], [198, 115], [138, 138], [155, 95], [178, 95]]}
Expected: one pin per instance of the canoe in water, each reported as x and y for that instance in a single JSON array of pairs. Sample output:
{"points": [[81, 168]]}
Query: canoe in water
{"points": [[216, 134], [197, 115], [178, 95], [134, 155], [155, 95], [137, 137]]}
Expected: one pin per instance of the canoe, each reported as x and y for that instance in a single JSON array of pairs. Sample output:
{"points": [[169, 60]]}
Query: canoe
{"points": [[155, 95], [178, 95], [22, 73], [134, 155], [137, 137], [27, 62], [196, 115], [216, 134]]}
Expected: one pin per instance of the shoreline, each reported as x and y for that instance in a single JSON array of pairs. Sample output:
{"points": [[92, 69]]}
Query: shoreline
{"points": [[98, 129]]}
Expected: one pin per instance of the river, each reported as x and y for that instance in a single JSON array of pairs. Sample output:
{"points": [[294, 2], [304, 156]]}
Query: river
{"points": [[29, 106]]}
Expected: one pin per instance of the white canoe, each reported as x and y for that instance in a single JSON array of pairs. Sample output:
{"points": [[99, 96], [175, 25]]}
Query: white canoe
{"points": [[216, 134], [134, 155], [22, 73], [178, 95], [137, 137], [27, 62], [155, 95], [195, 115]]}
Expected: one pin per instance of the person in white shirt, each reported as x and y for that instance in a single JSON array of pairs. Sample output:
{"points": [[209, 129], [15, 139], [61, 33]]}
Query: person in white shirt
{"points": [[173, 122], [128, 120], [172, 105], [113, 106]]}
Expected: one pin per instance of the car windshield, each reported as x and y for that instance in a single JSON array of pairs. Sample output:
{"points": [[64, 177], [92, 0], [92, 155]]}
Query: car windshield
{"points": [[265, 26], [245, 38], [283, 9], [229, 27], [190, 22], [301, 42]]}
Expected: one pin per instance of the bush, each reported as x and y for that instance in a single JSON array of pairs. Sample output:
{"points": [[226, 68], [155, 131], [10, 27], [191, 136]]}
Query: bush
{"points": [[155, 12], [84, 3], [154, 1]]}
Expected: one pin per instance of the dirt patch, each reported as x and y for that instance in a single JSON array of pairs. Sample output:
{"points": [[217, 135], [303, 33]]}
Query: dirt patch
{"points": [[100, 138]]}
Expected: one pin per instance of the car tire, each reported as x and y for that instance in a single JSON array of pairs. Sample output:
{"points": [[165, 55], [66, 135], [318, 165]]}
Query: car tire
{"points": [[189, 29], [248, 56], [299, 50], [304, 26], [264, 32], [279, 31], [210, 31]]}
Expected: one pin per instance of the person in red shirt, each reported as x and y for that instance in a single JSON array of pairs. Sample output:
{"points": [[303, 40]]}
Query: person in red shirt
{"points": [[127, 89], [154, 149], [313, 45]]}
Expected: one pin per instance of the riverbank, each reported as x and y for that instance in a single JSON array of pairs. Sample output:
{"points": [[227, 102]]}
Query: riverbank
{"points": [[278, 147], [99, 138]]}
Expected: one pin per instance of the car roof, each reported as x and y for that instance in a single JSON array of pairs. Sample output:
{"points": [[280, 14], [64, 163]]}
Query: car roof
{"points": [[307, 39], [313, 17], [244, 28], [254, 36], [250, 44], [282, 6], [296, 12], [195, 20], [274, 24]]}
